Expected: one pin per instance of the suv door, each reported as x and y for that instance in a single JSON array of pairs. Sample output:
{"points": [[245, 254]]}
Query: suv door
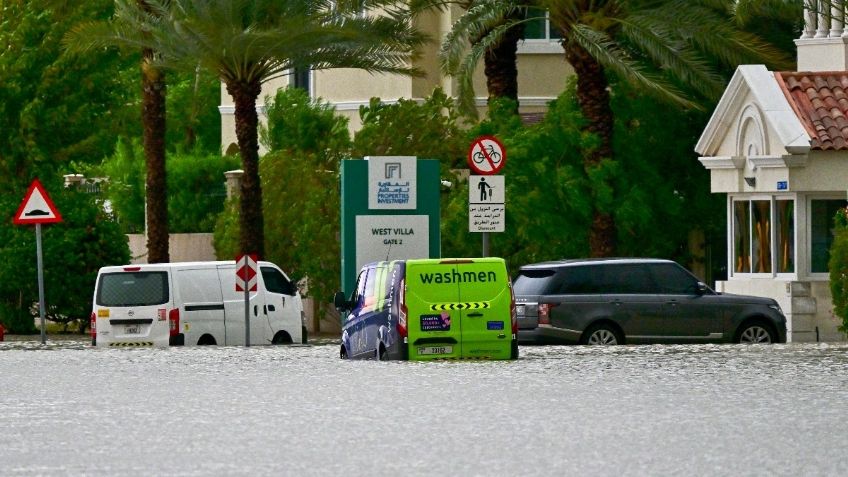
{"points": [[634, 301], [690, 316]]}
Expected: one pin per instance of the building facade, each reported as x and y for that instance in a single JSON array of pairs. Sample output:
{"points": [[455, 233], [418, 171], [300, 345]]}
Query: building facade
{"points": [[542, 71], [777, 145]]}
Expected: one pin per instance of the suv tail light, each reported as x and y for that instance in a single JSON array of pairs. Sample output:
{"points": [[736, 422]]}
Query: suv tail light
{"points": [[174, 321], [93, 328], [401, 326], [545, 313]]}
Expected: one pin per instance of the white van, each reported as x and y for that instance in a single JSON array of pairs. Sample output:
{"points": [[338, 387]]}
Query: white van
{"points": [[193, 303]]}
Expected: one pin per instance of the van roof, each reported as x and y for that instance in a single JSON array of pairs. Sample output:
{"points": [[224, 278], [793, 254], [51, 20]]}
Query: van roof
{"points": [[159, 266], [571, 262], [445, 261]]}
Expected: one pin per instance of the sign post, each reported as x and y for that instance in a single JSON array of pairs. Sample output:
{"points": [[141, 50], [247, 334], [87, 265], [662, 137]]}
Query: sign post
{"points": [[37, 208], [486, 199], [246, 281]]}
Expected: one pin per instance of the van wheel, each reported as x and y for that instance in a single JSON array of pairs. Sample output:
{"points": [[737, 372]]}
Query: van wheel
{"points": [[343, 353], [381, 353], [513, 353], [602, 334], [303, 334], [755, 332], [281, 338]]}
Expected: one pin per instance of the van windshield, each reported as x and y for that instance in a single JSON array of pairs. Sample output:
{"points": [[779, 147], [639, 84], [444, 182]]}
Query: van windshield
{"points": [[133, 289]]}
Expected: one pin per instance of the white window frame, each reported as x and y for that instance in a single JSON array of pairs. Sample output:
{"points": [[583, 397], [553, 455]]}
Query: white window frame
{"points": [[815, 276], [731, 255], [543, 46]]}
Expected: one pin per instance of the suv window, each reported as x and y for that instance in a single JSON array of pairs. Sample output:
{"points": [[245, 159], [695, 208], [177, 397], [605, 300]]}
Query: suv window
{"points": [[672, 278], [536, 282], [628, 279]]}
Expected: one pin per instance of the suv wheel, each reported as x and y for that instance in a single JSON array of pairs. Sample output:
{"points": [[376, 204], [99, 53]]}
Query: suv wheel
{"points": [[755, 333], [602, 334]]}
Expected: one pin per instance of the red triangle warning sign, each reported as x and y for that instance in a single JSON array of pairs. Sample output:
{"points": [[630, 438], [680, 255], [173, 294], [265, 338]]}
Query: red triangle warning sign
{"points": [[37, 208]]}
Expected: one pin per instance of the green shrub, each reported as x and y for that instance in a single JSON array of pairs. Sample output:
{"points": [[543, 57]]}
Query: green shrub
{"points": [[196, 187], [838, 264]]}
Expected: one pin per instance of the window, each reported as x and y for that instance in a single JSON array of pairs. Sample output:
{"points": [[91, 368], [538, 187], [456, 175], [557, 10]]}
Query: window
{"points": [[300, 78], [536, 282], [784, 228], [763, 236], [275, 282], [822, 213], [538, 27], [673, 279], [133, 289]]}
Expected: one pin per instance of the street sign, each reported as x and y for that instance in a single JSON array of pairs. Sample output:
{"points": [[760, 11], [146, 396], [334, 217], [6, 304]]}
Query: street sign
{"points": [[246, 272], [36, 208], [486, 155], [486, 199]]}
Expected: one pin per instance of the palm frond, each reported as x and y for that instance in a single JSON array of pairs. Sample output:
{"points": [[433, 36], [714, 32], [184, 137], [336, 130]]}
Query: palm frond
{"points": [[611, 56]]}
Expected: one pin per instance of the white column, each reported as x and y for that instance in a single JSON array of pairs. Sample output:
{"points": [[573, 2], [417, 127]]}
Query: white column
{"points": [[821, 9], [809, 19], [837, 19]]}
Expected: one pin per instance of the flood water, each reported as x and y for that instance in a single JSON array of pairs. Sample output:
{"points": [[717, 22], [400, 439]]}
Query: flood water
{"points": [[69, 409]]}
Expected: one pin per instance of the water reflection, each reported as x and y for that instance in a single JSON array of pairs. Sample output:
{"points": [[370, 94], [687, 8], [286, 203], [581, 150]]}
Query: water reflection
{"points": [[68, 409]]}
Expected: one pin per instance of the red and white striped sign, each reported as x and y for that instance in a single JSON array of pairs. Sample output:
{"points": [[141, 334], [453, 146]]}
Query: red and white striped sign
{"points": [[246, 272]]}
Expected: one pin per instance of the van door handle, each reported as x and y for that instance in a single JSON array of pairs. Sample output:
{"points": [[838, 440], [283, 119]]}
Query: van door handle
{"points": [[474, 315], [255, 310]]}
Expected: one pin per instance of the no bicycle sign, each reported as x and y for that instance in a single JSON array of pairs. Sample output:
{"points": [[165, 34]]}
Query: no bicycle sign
{"points": [[486, 156]]}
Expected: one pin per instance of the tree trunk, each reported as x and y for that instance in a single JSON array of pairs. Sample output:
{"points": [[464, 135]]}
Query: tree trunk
{"points": [[252, 230], [594, 101], [153, 122], [501, 67]]}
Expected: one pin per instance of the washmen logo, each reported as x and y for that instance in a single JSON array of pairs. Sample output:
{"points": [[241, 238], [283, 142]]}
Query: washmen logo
{"points": [[457, 277]]}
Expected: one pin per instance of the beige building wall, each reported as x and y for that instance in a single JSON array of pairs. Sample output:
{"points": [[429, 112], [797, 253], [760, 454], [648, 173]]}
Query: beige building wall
{"points": [[542, 72]]}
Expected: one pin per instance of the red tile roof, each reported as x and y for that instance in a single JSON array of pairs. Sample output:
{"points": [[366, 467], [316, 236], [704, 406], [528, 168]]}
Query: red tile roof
{"points": [[820, 100]]}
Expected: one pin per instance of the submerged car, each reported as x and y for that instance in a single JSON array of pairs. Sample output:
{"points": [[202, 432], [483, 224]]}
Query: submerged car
{"points": [[635, 301]]}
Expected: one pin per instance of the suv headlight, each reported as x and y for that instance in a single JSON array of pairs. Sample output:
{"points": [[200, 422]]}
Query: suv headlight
{"points": [[776, 308]]}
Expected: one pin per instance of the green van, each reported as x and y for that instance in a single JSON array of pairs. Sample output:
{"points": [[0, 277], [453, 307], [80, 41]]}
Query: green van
{"points": [[456, 308]]}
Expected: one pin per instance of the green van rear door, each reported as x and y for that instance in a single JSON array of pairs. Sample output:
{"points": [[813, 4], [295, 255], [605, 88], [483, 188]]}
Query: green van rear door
{"points": [[434, 330], [486, 322], [458, 308]]}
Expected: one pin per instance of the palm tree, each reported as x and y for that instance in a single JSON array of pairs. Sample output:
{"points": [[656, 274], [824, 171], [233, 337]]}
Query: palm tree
{"points": [[500, 59], [248, 42], [97, 34], [674, 49]]}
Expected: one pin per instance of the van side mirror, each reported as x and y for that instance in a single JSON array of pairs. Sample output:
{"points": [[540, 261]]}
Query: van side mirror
{"points": [[702, 289], [340, 301]]}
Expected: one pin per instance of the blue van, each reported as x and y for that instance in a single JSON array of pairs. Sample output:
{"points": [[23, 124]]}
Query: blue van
{"points": [[428, 309]]}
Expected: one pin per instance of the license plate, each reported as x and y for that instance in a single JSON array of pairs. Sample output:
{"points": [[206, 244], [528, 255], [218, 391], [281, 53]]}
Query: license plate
{"points": [[435, 350], [519, 310], [132, 329]]}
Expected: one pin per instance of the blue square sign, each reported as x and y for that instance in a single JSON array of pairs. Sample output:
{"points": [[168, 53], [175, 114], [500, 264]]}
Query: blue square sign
{"points": [[782, 185]]}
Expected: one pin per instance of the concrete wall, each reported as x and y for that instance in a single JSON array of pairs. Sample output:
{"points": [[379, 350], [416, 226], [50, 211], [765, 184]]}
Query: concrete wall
{"points": [[182, 248]]}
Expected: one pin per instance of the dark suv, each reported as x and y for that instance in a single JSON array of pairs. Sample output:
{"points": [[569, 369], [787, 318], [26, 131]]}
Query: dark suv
{"points": [[635, 300]]}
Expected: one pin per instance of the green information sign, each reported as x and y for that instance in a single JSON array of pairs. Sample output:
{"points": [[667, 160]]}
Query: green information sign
{"points": [[390, 211]]}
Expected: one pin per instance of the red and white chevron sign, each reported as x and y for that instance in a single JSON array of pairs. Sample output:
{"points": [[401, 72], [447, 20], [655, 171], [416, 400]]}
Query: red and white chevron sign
{"points": [[246, 272]]}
